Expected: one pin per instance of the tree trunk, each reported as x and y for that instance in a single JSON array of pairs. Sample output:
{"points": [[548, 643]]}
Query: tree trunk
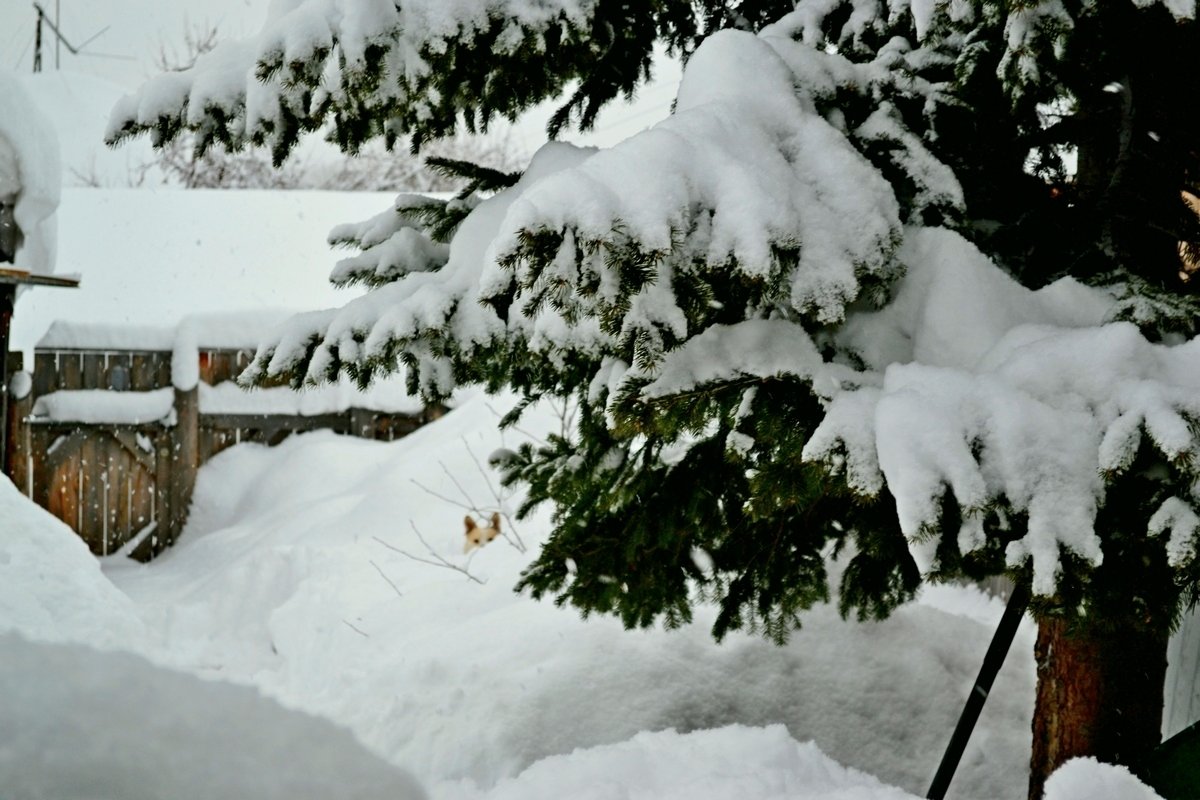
{"points": [[1099, 693]]}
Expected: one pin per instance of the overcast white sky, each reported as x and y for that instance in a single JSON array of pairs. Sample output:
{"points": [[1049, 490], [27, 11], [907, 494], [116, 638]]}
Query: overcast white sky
{"points": [[129, 33]]}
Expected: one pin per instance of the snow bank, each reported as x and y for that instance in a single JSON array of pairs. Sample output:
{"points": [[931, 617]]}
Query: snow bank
{"points": [[81, 724], [52, 589], [746, 763], [29, 174], [285, 579], [1089, 779]]}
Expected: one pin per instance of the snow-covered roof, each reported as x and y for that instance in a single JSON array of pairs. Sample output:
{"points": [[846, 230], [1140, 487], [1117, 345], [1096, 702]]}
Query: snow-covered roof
{"points": [[149, 258], [232, 330]]}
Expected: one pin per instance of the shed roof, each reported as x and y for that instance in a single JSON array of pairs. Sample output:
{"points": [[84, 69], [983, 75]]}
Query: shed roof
{"points": [[235, 330], [149, 258]]}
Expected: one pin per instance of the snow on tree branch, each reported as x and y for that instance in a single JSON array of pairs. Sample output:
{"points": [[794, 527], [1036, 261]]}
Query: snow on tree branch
{"points": [[758, 189], [384, 68], [743, 258], [393, 243], [1015, 397]]}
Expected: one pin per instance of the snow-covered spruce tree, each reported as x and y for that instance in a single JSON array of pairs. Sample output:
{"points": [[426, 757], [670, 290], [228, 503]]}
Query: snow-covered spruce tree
{"points": [[850, 295]]}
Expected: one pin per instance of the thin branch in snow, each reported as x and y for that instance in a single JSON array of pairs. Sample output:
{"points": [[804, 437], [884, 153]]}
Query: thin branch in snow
{"points": [[359, 631], [536, 439], [466, 506], [454, 480], [436, 561], [386, 578], [479, 466], [515, 540], [565, 414]]}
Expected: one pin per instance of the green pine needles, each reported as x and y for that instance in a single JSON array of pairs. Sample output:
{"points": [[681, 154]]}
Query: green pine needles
{"points": [[694, 292]]}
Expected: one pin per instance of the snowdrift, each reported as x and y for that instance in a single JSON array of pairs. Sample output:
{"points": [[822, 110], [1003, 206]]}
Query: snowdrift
{"points": [[80, 724], [286, 579], [289, 578]]}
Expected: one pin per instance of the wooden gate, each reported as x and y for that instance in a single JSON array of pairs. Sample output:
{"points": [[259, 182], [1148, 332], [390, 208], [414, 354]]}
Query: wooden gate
{"points": [[115, 482], [104, 482]]}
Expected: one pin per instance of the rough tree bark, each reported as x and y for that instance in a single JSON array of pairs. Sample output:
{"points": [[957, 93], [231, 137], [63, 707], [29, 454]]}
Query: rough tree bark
{"points": [[1099, 693]]}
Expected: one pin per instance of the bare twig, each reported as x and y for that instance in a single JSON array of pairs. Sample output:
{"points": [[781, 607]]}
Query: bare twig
{"points": [[568, 420], [386, 578], [359, 631], [467, 506], [479, 466], [436, 561], [454, 480], [515, 540], [539, 440]]}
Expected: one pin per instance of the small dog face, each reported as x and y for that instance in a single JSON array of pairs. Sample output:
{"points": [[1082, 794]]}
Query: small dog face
{"points": [[477, 535]]}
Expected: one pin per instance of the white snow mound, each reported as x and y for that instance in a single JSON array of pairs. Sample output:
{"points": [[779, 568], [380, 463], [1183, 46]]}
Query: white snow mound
{"points": [[1089, 779], [51, 588], [80, 724]]}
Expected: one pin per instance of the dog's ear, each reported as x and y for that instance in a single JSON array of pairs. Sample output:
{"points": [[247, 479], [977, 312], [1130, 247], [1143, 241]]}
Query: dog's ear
{"points": [[496, 521], [469, 521]]}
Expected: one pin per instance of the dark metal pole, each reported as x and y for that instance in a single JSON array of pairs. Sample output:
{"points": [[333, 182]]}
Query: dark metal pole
{"points": [[992, 661], [37, 44], [8, 297]]}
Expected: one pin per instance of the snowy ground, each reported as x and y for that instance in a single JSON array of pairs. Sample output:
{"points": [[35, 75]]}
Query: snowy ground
{"points": [[286, 580]]}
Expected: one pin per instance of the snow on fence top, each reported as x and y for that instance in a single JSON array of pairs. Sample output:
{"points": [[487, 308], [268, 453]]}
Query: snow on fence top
{"points": [[387, 395], [100, 406], [197, 332]]}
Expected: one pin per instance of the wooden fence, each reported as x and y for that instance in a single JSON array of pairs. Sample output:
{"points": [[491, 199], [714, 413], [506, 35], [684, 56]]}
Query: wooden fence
{"points": [[126, 370], [130, 485]]}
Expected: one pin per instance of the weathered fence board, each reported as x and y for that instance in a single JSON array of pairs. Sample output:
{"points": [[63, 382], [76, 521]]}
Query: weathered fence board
{"points": [[115, 482], [119, 370], [70, 370], [108, 482], [217, 366], [99, 480]]}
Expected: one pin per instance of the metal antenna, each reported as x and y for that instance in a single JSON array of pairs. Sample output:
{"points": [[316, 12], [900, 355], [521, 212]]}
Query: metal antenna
{"points": [[37, 43], [59, 39]]}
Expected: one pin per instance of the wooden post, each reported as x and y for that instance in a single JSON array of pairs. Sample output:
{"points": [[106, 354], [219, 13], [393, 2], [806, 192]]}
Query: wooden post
{"points": [[185, 461], [20, 406], [163, 445], [433, 411], [8, 296], [362, 423]]}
